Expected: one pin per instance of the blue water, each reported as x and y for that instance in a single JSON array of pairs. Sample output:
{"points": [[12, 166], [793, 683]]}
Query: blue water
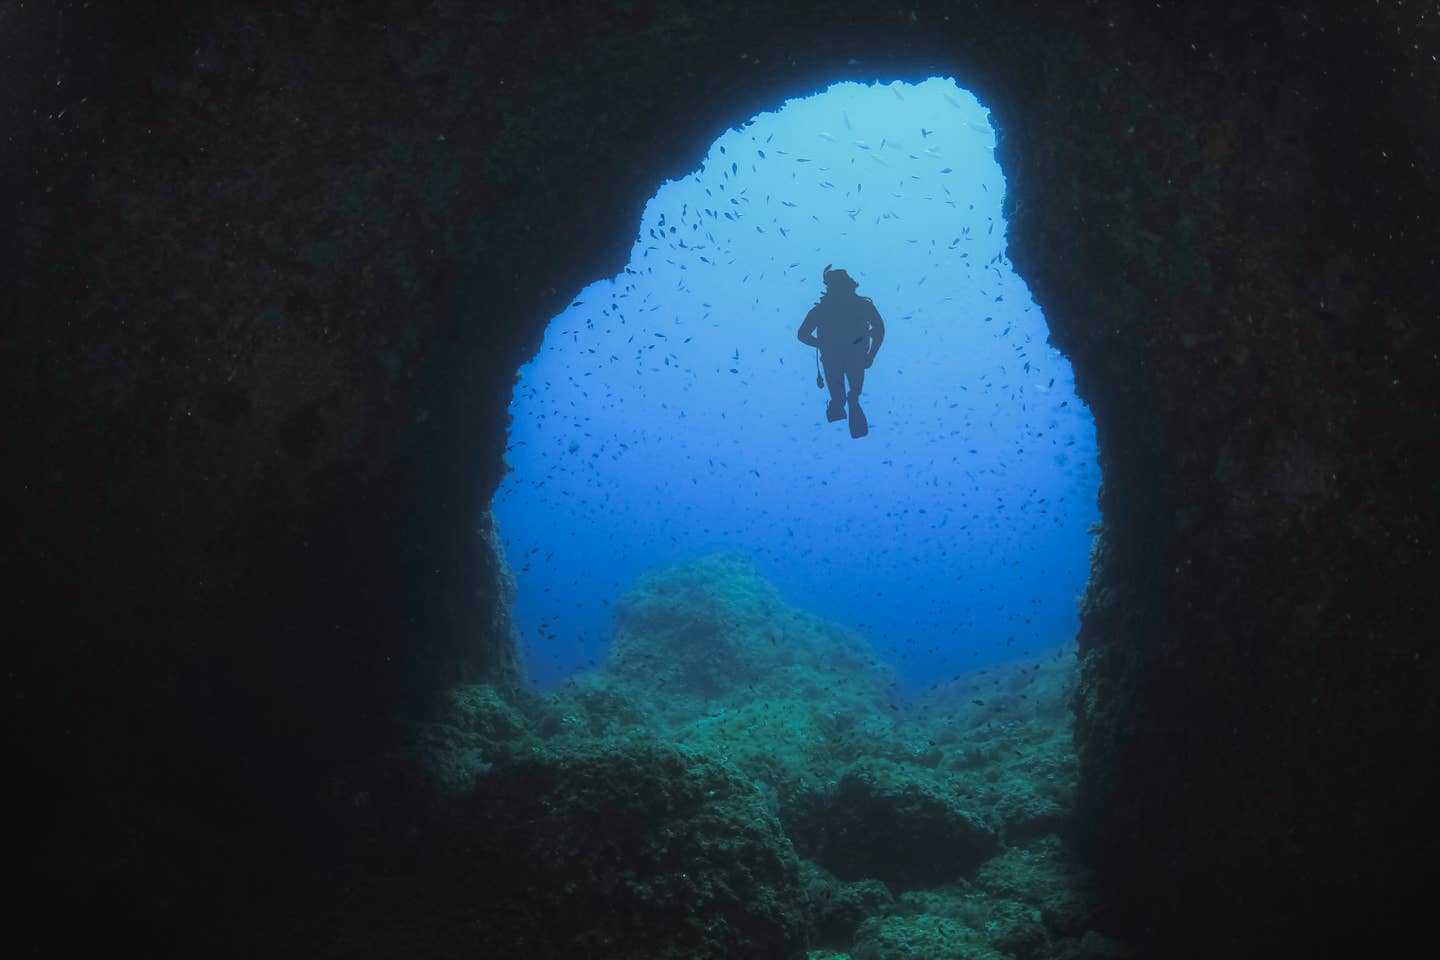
{"points": [[671, 411]]}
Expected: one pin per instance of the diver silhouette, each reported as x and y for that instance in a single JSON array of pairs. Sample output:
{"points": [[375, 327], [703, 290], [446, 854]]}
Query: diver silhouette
{"points": [[847, 331]]}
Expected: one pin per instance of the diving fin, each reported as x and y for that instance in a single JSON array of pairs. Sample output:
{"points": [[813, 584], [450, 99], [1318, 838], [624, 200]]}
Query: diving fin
{"points": [[859, 426]]}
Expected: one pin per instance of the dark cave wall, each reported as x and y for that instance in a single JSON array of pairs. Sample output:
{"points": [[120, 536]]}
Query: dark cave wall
{"points": [[274, 275], [1244, 293]]}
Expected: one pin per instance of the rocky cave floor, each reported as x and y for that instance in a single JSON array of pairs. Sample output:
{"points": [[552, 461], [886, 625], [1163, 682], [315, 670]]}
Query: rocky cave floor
{"points": [[739, 779]]}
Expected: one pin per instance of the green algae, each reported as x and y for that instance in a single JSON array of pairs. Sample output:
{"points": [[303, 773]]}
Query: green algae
{"points": [[739, 774]]}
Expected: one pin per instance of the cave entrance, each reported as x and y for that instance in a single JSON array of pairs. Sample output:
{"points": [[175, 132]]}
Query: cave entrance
{"points": [[671, 411]]}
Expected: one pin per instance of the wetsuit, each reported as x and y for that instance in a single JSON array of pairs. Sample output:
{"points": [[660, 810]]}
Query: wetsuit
{"points": [[848, 330]]}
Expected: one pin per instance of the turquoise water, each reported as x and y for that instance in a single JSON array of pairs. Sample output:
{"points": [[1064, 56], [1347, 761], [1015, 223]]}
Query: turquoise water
{"points": [[672, 413]]}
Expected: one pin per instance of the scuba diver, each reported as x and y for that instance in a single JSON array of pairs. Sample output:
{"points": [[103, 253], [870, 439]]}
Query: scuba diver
{"points": [[847, 331]]}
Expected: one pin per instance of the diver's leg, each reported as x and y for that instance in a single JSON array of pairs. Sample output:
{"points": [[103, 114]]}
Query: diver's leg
{"points": [[835, 380], [855, 373]]}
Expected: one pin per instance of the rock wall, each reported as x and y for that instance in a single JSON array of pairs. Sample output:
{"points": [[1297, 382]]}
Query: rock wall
{"points": [[272, 271]]}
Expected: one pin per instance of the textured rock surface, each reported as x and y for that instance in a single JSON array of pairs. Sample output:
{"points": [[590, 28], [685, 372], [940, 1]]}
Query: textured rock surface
{"points": [[710, 667], [921, 935], [839, 907], [622, 852], [272, 271], [902, 826], [713, 630], [562, 849]]}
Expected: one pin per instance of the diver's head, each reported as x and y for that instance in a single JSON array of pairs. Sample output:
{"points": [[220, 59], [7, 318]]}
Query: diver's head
{"points": [[838, 281]]}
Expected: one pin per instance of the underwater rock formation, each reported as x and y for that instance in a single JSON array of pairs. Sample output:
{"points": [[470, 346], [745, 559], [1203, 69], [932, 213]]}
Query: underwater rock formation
{"points": [[839, 907], [714, 631], [764, 732], [272, 268], [901, 826], [473, 728], [622, 850]]}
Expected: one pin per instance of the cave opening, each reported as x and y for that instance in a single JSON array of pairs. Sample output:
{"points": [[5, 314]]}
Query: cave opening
{"points": [[672, 414]]}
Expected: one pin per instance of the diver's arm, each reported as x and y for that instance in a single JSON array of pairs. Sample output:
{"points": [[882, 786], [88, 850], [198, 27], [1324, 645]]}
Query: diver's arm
{"points": [[808, 330], [877, 335]]}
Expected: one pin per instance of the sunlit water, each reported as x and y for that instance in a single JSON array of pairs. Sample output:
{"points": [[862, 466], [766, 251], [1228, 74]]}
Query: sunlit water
{"points": [[671, 411]]}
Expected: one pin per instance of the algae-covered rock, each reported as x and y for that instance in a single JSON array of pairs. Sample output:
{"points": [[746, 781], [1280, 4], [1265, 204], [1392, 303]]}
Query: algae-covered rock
{"points": [[1004, 925], [921, 937], [1026, 902], [713, 628], [597, 705], [1029, 808], [603, 787], [902, 825], [1017, 929], [707, 654], [479, 709], [1042, 874], [473, 728], [624, 851], [1005, 732], [837, 906]]}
